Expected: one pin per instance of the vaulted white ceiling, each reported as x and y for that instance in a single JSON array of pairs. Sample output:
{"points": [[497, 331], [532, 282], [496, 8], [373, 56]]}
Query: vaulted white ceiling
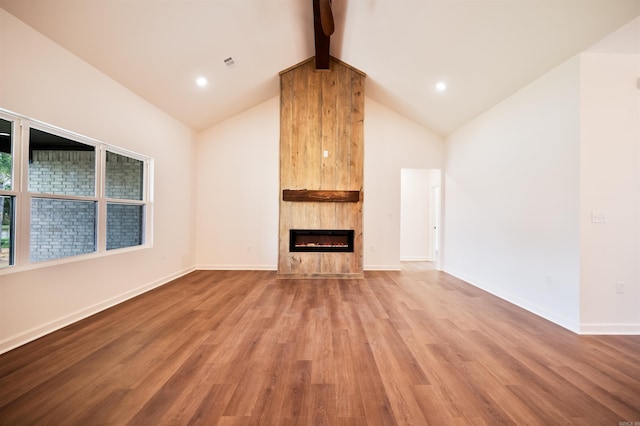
{"points": [[484, 50]]}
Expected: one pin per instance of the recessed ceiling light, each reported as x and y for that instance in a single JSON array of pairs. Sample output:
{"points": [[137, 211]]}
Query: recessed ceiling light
{"points": [[441, 86], [201, 81]]}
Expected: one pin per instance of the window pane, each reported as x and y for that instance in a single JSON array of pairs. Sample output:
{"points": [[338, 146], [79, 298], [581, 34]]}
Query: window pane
{"points": [[5, 154], [61, 228], [6, 231], [124, 177], [59, 165], [124, 225]]}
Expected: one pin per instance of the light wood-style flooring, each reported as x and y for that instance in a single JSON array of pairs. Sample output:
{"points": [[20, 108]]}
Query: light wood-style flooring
{"points": [[416, 347]]}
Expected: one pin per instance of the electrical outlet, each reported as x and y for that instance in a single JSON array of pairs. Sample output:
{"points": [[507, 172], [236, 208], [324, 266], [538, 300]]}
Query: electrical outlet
{"points": [[620, 287]]}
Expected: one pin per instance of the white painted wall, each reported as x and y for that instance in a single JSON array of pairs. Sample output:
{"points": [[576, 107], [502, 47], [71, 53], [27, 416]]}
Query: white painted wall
{"points": [[512, 198], [523, 180], [238, 192], [39, 79], [392, 143], [610, 183], [415, 221]]}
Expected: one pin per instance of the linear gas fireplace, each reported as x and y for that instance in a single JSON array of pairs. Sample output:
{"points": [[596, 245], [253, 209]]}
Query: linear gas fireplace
{"points": [[321, 240]]}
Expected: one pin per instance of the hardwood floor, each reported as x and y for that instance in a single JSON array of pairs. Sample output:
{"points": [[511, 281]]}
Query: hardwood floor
{"points": [[242, 348]]}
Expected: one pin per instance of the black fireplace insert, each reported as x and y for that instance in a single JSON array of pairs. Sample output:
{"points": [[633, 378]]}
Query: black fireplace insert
{"points": [[321, 240]]}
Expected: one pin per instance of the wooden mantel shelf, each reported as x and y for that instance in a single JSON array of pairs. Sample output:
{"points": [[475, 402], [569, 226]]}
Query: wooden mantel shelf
{"points": [[320, 195]]}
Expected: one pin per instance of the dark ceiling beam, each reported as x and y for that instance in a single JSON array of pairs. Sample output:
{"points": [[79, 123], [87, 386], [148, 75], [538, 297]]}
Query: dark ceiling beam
{"points": [[321, 39]]}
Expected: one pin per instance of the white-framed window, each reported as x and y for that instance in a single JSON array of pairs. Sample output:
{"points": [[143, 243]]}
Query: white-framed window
{"points": [[64, 196], [124, 190], [7, 192]]}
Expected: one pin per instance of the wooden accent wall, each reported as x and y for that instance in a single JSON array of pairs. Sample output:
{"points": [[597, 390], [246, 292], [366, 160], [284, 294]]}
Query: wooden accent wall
{"points": [[321, 111]]}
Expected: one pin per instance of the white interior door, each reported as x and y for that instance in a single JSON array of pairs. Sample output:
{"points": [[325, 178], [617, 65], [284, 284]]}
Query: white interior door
{"points": [[434, 214]]}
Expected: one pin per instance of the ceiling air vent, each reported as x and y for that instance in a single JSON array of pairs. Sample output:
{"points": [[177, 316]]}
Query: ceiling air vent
{"points": [[230, 62]]}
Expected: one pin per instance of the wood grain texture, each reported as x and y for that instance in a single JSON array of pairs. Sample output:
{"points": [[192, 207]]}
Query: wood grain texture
{"points": [[321, 111], [332, 196], [245, 348]]}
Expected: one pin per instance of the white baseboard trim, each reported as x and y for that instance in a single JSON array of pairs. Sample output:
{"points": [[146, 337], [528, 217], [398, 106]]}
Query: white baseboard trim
{"points": [[44, 329], [275, 267], [382, 268], [610, 329], [236, 267], [415, 259], [524, 304]]}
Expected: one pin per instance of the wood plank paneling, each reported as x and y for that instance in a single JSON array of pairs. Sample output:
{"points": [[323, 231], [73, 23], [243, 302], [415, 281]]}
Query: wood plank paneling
{"points": [[321, 112]]}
